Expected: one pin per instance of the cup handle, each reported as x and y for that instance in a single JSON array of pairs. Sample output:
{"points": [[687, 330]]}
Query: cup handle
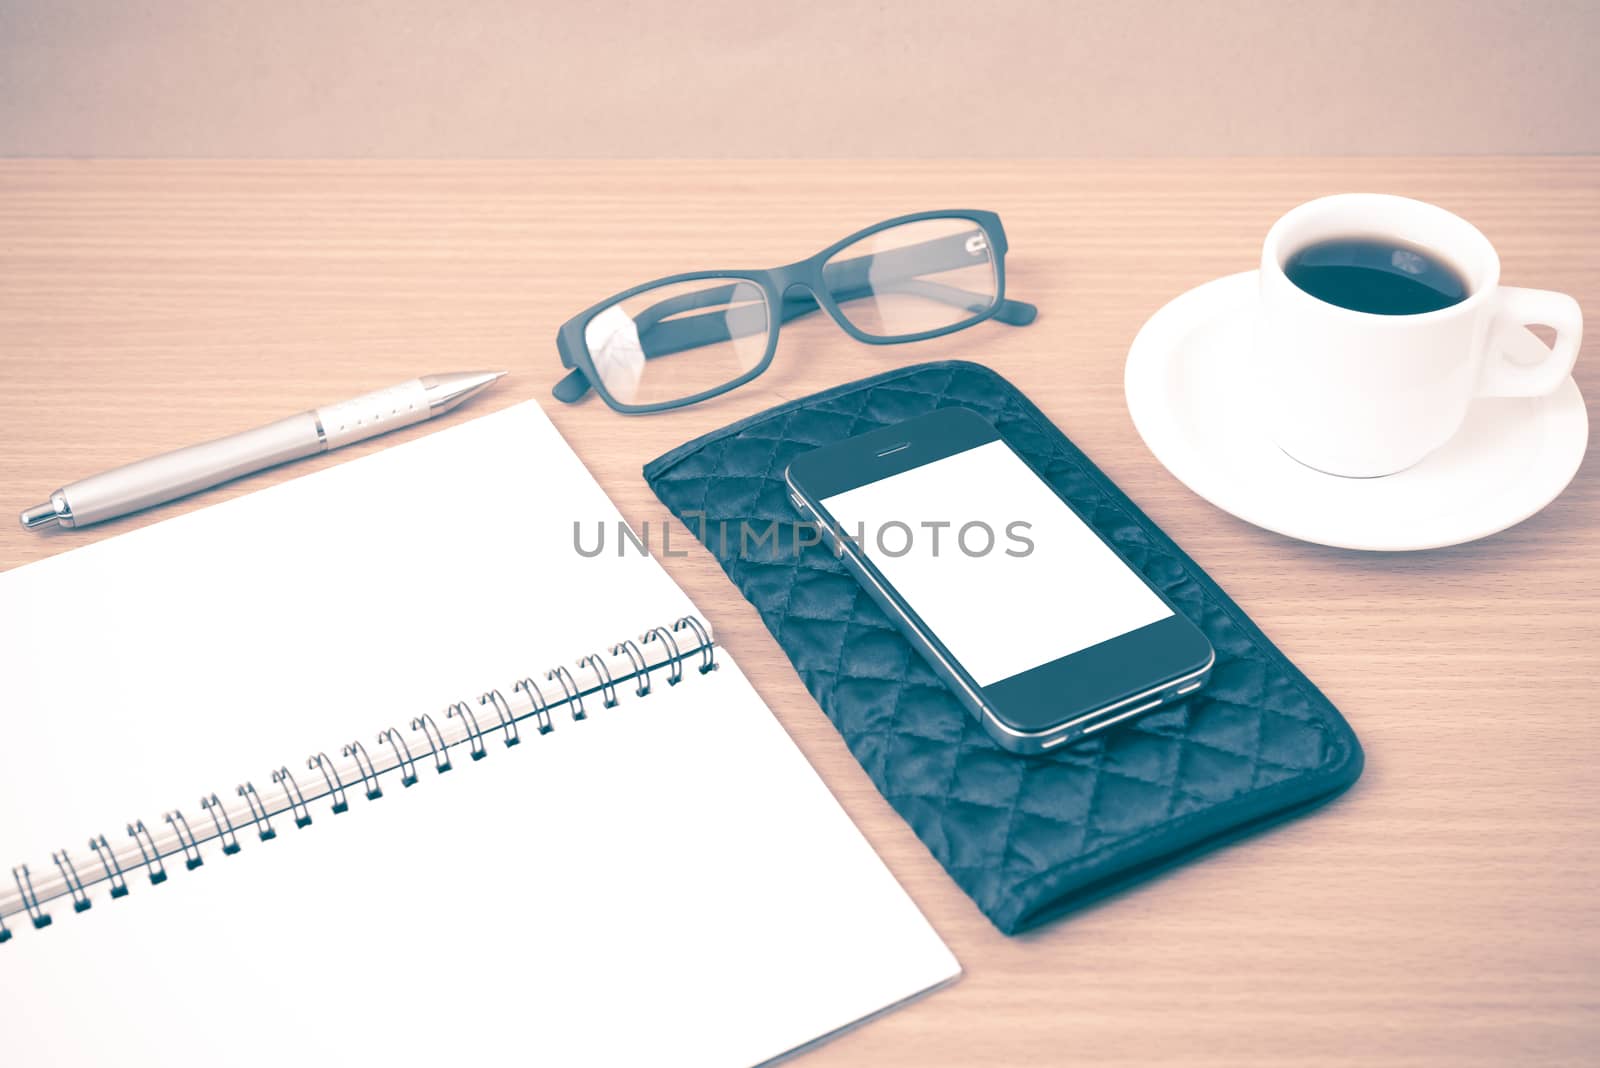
{"points": [[1518, 363]]}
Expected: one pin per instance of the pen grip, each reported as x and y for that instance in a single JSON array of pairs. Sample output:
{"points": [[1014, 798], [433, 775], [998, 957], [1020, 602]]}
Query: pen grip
{"points": [[374, 413], [184, 471]]}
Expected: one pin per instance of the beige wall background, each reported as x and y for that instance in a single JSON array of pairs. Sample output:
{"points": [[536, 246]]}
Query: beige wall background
{"points": [[426, 78]]}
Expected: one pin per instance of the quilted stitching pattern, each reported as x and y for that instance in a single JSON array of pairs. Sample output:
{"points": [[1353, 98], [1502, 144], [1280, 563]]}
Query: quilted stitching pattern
{"points": [[1026, 838]]}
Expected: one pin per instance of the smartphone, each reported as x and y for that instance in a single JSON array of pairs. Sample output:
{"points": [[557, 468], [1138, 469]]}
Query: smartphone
{"points": [[1042, 628]]}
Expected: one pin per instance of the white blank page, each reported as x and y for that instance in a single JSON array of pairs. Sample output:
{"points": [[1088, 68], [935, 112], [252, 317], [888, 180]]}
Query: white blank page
{"points": [[666, 882], [192, 655]]}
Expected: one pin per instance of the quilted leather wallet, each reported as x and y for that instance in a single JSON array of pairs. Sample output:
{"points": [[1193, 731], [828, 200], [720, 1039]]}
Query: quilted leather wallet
{"points": [[1028, 838]]}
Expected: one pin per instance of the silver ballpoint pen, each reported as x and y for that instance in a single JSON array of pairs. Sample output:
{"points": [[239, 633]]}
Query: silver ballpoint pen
{"points": [[184, 471]]}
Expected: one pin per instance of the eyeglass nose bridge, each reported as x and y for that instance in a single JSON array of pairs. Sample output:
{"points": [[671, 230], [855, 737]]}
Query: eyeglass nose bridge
{"points": [[802, 288], [804, 275]]}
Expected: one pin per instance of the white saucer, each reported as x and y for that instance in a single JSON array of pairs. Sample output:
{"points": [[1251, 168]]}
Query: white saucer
{"points": [[1194, 406]]}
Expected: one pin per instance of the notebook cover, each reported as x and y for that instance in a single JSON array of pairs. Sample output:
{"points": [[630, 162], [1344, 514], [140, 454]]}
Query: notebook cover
{"points": [[1027, 838]]}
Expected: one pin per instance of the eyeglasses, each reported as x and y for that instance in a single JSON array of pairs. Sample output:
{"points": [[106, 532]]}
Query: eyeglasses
{"points": [[907, 279]]}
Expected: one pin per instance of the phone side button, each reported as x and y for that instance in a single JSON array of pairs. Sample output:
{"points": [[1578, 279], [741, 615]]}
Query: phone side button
{"points": [[1103, 724]]}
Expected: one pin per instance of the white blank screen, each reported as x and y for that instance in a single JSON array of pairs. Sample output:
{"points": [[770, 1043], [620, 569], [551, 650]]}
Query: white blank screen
{"points": [[998, 614]]}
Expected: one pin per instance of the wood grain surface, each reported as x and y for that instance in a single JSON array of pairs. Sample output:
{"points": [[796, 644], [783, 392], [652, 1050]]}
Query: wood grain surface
{"points": [[1445, 911]]}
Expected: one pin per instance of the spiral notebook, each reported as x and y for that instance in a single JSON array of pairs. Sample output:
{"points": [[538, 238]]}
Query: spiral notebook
{"points": [[374, 765]]}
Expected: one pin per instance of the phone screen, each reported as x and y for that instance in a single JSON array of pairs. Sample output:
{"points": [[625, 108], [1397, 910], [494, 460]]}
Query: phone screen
{"points": [[996, 565]]}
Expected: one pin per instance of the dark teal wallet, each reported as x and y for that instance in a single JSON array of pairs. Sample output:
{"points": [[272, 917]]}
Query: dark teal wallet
{"points": [[1028, 838]]}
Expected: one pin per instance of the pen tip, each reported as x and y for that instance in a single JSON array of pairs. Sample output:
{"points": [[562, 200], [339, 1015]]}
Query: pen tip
{"points": [[447, 391]]}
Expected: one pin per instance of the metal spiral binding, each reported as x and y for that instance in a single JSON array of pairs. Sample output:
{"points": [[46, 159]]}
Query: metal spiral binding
{"points": [[569, 686], [108, 860], [541, 711], [330, 776], [708, 655], [460, 709], [69, 874], [662, 635], [152, 856], [608, 692], [436, 746], [369, 773], [640, 665], [297, 801], [258, 811], [224, 825], [30, 900], [630, 661], [408, 767], [191, 849], [508, 722]]}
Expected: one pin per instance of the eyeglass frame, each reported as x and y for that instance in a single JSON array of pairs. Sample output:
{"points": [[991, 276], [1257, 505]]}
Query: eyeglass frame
{"points": [[775, 283]]}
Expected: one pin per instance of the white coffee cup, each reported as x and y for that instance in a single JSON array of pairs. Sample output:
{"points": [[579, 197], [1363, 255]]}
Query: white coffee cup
{"points": [[1359, 394]]}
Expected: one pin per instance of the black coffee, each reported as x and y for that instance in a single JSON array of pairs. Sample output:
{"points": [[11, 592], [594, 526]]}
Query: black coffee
{"points": [[1377, 275]]}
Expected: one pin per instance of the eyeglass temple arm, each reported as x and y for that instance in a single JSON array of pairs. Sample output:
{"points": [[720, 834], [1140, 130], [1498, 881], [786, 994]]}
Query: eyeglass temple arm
{"points": [[847, 280]]}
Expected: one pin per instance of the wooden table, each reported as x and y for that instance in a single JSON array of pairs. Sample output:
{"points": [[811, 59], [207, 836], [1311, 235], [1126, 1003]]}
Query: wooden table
{"points": [[1443, 912]]}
